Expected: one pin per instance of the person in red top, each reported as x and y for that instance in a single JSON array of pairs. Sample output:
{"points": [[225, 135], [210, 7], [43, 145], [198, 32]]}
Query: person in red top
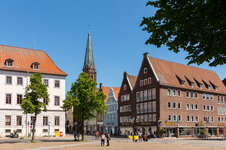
{"points": [[97, 135]]}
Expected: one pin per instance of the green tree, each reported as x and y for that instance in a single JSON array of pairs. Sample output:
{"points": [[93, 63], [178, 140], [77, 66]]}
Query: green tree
{"points": [[195, 26], [32, 101], [85, 99]]}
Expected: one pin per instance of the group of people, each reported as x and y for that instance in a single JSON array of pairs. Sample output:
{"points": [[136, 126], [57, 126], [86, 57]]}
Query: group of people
{"points": [[142, 137], [103, 137]]}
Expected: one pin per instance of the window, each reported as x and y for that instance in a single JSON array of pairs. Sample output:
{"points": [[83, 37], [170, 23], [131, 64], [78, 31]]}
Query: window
{"points": [[188, 118], [57, 83], [45, 101], [222, 99], [122, 98], [178, 93], [145, 107], [174, 105], [179, 105], [204, 107], [154, 93], [57, 100], [192, 94], [145, 95], [138, 108], [222, 110], [196, 118], [174, 92], [212, 119], [187, 94], [192, 106], [188, 106], [207, 96], [203, 96], [141, 82], [57, 120], [216, 87], [192, 84], [145, 81], [182, 82], [45, 130], [154, 106], [46, 82], [196, 95], [145, 70], [36, 66], [45, 121], [127, 97], [149, 94], [18, 120], [8, 120], [9, 62], [19, 99], [129, 107], [169, 92], [212, 108], [137, 96], [208, 87], [169, 118], [211, 96], [196, 107], [179, 118], [149, 106], [32, 120], [219, 119], [208, 108], [149, 80], [19, 81], [125, 87], [8, 98], [7, 130], [192, 118], [200, 86], [8, 80], [218, 99], [169, 105], [219, 110], [174, 117], [141, 95]]}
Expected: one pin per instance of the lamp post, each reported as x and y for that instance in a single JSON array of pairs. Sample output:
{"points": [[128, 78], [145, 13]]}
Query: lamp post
{"points": [[133, 121]]}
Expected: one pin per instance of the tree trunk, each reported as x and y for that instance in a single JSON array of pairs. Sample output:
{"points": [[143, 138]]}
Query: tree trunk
{"points": [[82, 128], [33, 131]]}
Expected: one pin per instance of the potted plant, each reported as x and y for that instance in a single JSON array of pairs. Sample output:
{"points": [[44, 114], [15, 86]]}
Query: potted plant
{"points": [[15, 134]]}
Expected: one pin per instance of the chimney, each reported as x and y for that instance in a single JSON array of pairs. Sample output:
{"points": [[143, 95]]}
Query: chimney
{"points": [[146, 55], [125, 74], [100, 87]]}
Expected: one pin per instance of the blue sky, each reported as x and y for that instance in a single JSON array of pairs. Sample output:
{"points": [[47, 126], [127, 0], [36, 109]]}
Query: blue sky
{"points": [[61, 29]]}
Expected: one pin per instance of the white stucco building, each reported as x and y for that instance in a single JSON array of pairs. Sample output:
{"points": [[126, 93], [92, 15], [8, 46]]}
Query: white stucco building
{"points": [[16, 66]]}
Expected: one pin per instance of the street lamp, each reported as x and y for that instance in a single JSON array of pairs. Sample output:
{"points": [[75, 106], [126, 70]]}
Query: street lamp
{"points": [[133, 121]]}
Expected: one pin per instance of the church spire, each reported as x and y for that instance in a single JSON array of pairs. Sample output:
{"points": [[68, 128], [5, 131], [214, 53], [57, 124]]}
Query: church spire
{"points": [[89, 66], [89, 61]]}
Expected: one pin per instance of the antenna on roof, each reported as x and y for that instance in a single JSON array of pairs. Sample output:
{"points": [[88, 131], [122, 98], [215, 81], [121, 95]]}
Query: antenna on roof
{"points": [[34, 42]]}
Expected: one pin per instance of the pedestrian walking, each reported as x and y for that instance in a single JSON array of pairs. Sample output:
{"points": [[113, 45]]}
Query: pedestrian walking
{"points": [[140, 136], [97, 135], [102, 139], [108, 139]]}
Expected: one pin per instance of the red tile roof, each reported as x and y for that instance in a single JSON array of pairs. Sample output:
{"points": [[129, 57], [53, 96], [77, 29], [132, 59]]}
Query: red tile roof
{"points": [[106, 92], [23, 58], [167, 71]]}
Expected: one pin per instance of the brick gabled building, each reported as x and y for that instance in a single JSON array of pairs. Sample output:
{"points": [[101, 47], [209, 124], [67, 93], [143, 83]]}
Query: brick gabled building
{"points": [[180, 98]]}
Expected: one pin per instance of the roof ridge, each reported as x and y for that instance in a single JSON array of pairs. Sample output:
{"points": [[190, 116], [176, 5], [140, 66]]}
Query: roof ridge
{"points": [[180, 63], [22, 47]]}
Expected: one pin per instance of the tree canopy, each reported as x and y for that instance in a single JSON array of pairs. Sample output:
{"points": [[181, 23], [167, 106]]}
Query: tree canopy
{"points": [[195, 26], [35, 92], [85, 99]]}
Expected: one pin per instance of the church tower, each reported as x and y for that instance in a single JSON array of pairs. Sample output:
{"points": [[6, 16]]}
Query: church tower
{"points": [[89, 66]]}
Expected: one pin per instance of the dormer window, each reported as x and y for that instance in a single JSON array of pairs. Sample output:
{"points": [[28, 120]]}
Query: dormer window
{"points": [[35, 65], [9, 62], [145, 70], [208, 87], [180, 81], [216, 88], [192, 84]]}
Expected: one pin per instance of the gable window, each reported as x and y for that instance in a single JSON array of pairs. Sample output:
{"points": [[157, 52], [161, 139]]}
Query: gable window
{"points": [[125, 87], [141, 82], [145, 70], [19, 99], [8, 98], [57, 100], [149, 80], [8, 80], [9, 62], [19, 81], [127, 97], [46, 82], [57, 83], [145, 81]]}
